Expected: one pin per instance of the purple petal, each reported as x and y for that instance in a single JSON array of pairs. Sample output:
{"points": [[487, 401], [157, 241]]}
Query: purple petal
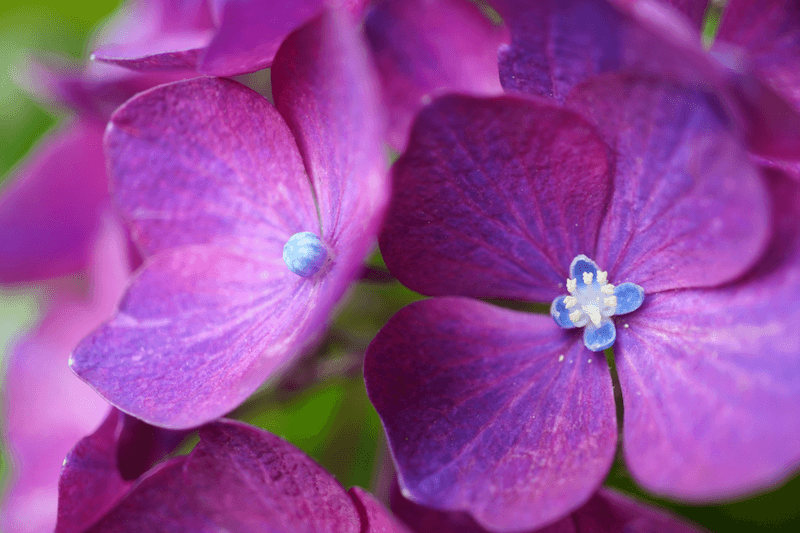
{"points": [[169, 52], [695, 10], [491, 411], [688, 209], [558, 44], [46, 408], [90, 475], [198, 331], [50, 212], [327, 91], [241, 479], [711, 378], [606, 512], [423, 49], [207, 161], [470, 215], [251, 31], [374, 517]]}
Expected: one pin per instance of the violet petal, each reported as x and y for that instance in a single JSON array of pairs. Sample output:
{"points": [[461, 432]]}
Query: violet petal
{"points": [[239, 478], [326, 90], [171, 52], [492, 199], [198, 331], [374, 517], [50, 211], [492, 411], [207, 161], [695, 10], [711, 378], [423, 49], [689, 209]]}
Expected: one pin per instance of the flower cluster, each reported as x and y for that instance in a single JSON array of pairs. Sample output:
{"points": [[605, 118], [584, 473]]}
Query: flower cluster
{"points": [[603, 213]]}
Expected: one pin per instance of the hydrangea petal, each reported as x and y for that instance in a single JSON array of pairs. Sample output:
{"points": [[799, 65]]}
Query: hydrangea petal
{"points": [[207, 161], [560, 313], [51, 210], [492, 199], [599, 338], [711, 378], [689, 209], [242, 479], [425, 48], [475, 407], [325, 88], [582, 265], [558, 44], [605, 512], [630, 297], [198, 331]]}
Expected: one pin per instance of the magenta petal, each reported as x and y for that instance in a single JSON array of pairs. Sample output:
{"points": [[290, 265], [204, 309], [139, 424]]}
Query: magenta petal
{"points": [[207, 161], [374, 517], [170, 52], [493, 200], [90, 475], [198, 331], [689, 209], [711, 379], [50, 212], [424, 48], [326, 90], [495, 412], [238, 478], [694, 10], [251, 31]]}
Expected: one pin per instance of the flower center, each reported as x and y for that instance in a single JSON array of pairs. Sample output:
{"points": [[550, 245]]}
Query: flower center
{"points": [[304, 254], [592, 301]]}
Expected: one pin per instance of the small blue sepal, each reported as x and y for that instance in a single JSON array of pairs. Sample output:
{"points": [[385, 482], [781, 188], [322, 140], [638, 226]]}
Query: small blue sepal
{"points": [[582, 264], [304, 254], [599, 338], [560, 313], [630, 297]]}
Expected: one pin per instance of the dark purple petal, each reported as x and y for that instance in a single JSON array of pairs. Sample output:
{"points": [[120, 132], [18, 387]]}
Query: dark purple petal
{"points": [[423, 49], [207, 161], [50, 211], [606, 512], [374, 517], [557, 44], [688, 209], [90, 481], [198, 331], [46, 408], [495, 198], [326, 90], [491, 411], [711, 378], [241, 479]]}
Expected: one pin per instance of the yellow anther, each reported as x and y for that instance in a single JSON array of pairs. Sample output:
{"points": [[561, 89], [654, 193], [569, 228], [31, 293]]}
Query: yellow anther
{"points": [[587, 277], [607, 289], [572, 285], [602, 277], [570, 302], [611, 301], [575, 315]]}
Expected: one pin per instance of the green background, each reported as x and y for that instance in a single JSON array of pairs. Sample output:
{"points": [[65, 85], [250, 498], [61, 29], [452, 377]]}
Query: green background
{"points": [[332, 420]]}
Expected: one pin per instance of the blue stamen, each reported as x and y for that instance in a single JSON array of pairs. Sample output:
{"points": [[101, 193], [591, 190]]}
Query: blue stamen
{"points": [[591, 303], [304, 254]]}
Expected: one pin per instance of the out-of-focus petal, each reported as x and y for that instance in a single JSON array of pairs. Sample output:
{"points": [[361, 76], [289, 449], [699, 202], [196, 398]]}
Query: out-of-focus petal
{"points": [[325, 88], [689, 209], [425, 48], [238, 478], [50, 211], [47, 409], [375, 518], [711, 378], [199, 330], [207, 161], [606, 512], [495, 412], [169, 52], [695, 10], [494, 198]]}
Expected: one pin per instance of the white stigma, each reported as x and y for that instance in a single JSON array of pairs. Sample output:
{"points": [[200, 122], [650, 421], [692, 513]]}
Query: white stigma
{"points": [[592, 301]]}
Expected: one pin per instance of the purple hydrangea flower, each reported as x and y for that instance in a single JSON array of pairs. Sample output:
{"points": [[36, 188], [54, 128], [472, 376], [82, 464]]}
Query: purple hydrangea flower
{"points": [[238, 478], [217, 37], [605, 512], [507, 415], [215, 182]]}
